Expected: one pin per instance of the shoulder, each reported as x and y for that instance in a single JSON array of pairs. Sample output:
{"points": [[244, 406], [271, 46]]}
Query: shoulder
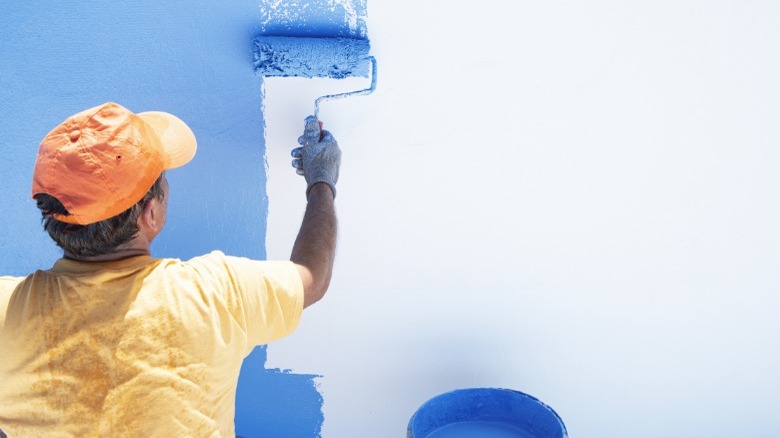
{"points": [[213, 262], [217, 260], [11, 282], [7, 287], [243, 272], [214, 268]]}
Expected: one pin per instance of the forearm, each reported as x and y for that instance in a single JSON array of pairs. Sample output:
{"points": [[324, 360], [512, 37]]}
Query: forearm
{"points": [[315, 247]]}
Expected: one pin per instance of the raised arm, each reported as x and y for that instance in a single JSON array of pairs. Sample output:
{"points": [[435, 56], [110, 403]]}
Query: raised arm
{"points": [[318, 160]]}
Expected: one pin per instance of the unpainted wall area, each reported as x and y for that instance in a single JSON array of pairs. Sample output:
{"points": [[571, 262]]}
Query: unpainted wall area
{"points": [[190, 58], [573, 199], [576, 200]]}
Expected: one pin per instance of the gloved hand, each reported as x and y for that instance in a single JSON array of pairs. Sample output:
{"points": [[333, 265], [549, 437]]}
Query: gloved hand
{"points": [[319, 157]]}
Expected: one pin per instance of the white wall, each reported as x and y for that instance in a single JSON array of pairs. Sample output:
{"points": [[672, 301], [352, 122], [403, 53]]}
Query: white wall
{"points": [[578, 200]]}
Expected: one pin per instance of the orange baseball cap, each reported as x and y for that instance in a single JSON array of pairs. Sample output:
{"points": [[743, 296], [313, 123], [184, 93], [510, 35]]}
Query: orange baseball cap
{"points": [[102, 161]]}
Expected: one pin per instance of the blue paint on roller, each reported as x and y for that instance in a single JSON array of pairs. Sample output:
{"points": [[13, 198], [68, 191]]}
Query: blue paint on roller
{"points": [[335, 58], [485, 412]]}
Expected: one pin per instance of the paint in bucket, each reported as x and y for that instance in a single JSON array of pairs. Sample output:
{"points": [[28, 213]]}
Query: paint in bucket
{"points": [[485, 413]]}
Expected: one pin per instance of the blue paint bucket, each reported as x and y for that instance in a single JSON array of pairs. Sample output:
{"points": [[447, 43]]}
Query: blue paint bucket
{"points": [[485, 413]]}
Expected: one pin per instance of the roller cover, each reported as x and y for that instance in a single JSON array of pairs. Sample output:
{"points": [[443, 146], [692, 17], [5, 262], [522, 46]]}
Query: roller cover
{"points": [[311, 57]]}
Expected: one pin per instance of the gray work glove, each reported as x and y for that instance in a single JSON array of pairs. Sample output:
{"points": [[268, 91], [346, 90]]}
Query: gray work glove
{"points": [[319, 157]]}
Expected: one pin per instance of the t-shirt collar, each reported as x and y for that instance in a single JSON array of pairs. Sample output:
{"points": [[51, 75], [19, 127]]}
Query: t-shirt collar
{"points": [[69, 265]]}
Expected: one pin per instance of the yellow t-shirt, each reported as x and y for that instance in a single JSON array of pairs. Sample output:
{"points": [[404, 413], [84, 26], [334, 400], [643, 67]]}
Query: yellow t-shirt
{"points": [[137, 347]]}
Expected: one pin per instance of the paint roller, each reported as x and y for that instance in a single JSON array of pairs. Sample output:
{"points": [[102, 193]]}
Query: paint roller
{"points": [[309, 57]]}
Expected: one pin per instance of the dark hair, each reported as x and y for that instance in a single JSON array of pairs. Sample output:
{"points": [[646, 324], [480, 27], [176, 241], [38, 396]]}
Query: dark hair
{"points": [[97, 238]]}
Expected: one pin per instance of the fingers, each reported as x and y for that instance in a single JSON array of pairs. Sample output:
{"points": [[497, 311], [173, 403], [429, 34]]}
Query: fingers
{"points": [[311, 132], [298, 165], [313, 140], [327, 137]]}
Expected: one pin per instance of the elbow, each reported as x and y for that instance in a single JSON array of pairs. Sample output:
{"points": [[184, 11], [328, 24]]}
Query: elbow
{"points": [[320, 288], [313, 297], [315, 285], [314, 294]]}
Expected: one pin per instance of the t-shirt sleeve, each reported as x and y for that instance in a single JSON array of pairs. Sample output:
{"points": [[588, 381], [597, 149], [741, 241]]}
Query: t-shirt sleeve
{"points": [[7, 287], [264, 297]]}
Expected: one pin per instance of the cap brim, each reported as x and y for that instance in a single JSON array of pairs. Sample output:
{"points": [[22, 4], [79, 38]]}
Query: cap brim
{"points": [[178, 141]]}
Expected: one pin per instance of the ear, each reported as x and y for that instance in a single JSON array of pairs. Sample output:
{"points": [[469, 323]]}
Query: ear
{"points": [[150, 220]]}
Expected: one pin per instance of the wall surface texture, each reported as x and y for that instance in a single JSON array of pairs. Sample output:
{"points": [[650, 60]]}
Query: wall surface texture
{"points": [[190, 58], [578, 200], [575, 200]]}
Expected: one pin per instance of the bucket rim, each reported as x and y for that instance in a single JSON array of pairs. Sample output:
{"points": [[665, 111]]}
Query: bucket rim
{"points": [[415, 430]]}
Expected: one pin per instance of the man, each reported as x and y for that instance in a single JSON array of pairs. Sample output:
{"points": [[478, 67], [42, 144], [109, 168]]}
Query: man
{"points": [[111, 341]]}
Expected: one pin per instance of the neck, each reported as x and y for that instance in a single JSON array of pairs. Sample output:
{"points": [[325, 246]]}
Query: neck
{"points": [[134, 248]]}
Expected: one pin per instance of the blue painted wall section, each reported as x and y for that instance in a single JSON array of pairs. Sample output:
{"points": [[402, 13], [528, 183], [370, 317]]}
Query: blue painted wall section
{"points": [[289, 391], [194, 59]]}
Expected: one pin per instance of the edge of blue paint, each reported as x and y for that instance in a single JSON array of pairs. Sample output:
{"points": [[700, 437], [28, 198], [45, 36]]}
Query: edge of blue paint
{"points": [[259, 416]]}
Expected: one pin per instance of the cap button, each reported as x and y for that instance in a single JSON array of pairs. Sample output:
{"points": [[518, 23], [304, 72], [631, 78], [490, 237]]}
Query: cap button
{"points": [[75, 134]]}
